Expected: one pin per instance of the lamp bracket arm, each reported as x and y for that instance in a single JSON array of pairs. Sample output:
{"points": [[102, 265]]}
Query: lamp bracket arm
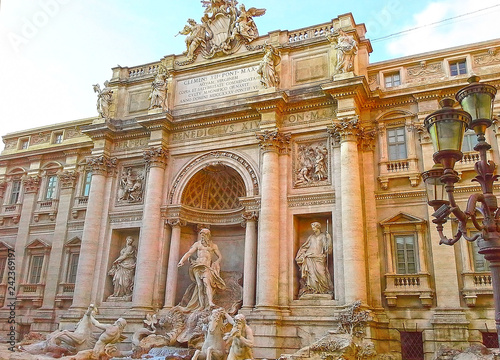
{"points": [[473, 238], [444, 240]]}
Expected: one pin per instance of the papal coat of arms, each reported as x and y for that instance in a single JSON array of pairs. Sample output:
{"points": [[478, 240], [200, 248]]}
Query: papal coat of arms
{"points": [[224, 28]]}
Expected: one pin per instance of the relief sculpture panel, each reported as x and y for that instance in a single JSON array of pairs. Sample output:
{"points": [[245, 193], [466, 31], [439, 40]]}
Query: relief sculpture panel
{"points": [[311, 165]]}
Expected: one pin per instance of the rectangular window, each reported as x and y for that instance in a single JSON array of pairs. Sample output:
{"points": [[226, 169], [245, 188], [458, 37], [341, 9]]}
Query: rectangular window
{"points": [[15, 192], [24, 144], [73, 266], [58, 138], [458, 68], [480, 263], [36, 269], [50, 192], [406, 258], [86, 183], [412, 345], [3, 263], [396, 143], [490, 340], [392, 79], [470, 140]]}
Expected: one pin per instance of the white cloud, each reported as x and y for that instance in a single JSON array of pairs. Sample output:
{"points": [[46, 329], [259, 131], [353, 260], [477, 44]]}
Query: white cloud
{"points": [[470, 28]]}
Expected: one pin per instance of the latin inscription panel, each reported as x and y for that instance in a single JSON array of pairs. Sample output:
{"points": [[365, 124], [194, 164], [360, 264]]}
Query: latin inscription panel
{"points": [[217, 86]]}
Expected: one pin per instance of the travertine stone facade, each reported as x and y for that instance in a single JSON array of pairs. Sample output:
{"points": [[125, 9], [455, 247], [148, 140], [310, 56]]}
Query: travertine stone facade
{"points": [[337, 140]]}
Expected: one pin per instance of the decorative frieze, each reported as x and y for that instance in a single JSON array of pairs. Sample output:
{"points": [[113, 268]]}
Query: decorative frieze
{"points": [[156, 157], [491, 57], [416, 73], [311, 199], [273, 140], [102, 165]]}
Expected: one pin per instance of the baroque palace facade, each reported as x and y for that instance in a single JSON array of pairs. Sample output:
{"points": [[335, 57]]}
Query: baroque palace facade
{"points": [[254, 138]]}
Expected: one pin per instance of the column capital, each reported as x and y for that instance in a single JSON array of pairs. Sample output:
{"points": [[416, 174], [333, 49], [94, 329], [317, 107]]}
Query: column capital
{"points": [[156, 157], [3, 186], [68, 179], [31, 183], [101, 165], [250, 216], [175, 222], [350, 129], [273, 140]]}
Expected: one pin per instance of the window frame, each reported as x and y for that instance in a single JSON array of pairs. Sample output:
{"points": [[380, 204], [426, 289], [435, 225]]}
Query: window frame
{"points": [[87, 180], [406, 271], [470, 138], [397, 143], [57, 137], [458, 63], [52, 183], [71, 265], [15, 192], [391, 76], [35, 278]]}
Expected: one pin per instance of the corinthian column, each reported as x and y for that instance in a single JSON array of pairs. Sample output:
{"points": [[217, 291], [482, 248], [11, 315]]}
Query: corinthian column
{"points": [[173, 260], [353, 238], [250, 262], [149, 239], [101, 166], [268, 253]]}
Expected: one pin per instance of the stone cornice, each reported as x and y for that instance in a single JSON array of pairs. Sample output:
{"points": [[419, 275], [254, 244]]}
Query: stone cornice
{"points": [[311, 199], [356, 87], [161, 121]]}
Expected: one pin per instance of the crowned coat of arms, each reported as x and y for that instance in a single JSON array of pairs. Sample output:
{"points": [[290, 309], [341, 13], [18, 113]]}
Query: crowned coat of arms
{"points": [[224, 28]]}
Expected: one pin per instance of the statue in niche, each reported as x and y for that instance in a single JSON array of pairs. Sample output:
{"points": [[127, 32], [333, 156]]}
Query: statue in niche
{"points": [[122, 271], [197, 35], [312, 261], [204, 271], [130, 187], [158, 95], [267, 67], [104, 99], [312, 164], [347, 48], [241, 339]]}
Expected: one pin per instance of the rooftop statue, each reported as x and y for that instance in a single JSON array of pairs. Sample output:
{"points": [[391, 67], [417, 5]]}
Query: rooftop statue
{"points": [[224, 28], [104, 100]]}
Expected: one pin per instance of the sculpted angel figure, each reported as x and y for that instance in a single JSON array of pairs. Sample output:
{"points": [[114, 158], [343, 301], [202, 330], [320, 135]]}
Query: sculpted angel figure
{"points": [[312, 260], [204, 270], [196, 36], [347, 48], [245, 26], [267, 67], [104, 99]]}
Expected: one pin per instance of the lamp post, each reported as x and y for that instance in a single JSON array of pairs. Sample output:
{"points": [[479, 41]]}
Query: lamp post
{"points": [[446, 127]]}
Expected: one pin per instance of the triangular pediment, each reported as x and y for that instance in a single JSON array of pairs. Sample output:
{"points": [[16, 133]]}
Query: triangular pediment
{"points": [[74, 242], [38, 244], [5, 246], [402, 219]]}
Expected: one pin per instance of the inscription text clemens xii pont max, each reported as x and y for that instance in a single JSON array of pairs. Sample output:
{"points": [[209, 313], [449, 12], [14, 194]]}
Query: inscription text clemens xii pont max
{"points": [[216, 86]]}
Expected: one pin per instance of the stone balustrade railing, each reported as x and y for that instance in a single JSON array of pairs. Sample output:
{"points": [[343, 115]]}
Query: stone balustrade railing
{"points": [[309, 33], [398, 166], [143, 70]]}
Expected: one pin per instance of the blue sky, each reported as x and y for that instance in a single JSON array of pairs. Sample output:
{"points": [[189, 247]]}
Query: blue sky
{"points": [[52, 51]]}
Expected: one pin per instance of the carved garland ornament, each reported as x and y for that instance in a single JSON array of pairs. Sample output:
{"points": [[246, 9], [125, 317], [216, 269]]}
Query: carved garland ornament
{"points": [[68, 179], [31, 184], [216, 155]]}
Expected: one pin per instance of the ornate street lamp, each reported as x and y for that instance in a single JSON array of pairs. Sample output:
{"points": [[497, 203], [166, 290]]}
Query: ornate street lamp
{"points": [[446, 127]]}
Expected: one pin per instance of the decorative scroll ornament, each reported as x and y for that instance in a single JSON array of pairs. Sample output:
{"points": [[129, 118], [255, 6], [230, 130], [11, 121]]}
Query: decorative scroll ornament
{"points": [[68, 179], [101, 165], [273, 140], [104, 100], [224, 29], [156, 157], [31, 183]]}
